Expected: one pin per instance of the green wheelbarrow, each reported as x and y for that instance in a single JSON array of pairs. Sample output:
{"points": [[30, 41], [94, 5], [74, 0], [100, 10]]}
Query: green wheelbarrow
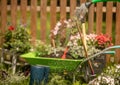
{"points": [[58, 64], [55, 64]]}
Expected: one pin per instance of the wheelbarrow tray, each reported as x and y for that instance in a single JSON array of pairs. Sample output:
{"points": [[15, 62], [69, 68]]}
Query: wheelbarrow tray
{"points": [[55, 64]]}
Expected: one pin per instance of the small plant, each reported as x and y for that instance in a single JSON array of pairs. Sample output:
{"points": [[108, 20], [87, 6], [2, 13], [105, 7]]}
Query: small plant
{"points": [[7, 78], [57, 79], [17, 39]]}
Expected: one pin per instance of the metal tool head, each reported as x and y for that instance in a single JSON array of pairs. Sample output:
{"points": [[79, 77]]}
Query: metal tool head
{"points": [[80, 12]]}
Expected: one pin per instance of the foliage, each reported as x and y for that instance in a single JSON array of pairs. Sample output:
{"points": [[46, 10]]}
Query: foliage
{"points": [[110, 76], [58, 79], [46, 50], [41, 48], [65, 34], [7, 78], [17, 39], [63, 79]]}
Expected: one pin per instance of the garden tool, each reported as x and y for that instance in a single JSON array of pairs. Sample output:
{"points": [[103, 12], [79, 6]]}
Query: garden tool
{"points": [[80, 14], [65, 52]]}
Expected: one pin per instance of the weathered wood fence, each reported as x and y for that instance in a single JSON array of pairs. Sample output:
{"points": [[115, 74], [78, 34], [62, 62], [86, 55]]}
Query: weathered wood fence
{"points": [[109, 13]]}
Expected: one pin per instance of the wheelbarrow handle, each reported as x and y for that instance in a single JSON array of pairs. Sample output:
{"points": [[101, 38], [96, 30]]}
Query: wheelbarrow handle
{"points": [[101, 52]]}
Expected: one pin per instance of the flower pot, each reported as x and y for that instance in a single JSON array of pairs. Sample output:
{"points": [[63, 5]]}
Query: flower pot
{"points": [[55, 64]]}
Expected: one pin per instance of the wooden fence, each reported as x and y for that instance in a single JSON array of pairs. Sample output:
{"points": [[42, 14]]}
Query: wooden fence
{"points": [[109, 13]]}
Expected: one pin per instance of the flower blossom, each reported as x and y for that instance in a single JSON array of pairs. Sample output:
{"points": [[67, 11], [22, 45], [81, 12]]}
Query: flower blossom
{"points": [[103, 39], [11, 28]]}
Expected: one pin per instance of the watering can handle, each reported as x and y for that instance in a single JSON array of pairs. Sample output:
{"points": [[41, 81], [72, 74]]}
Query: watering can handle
{"points": [[95, 1]]}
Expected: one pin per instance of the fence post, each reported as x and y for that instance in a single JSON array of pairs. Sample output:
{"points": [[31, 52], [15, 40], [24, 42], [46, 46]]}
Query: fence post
{"points": [[14, 12], [99, 14], [72, 8], [14, 63], [91, 19], [23, 8], [117, 33], [33, 20], [109, 24], [43, 18], [3, 16], [2, 55], [63, 9], [53, 13]]}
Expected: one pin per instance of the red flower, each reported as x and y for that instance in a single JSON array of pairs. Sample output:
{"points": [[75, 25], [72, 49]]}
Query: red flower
{"points": [[103, 40], [11, 28]]}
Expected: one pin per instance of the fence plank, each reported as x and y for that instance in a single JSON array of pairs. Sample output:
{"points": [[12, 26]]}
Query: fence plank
{"points": [[0, 23], [99, 15], [72, 7], [33, 19], [53, 13], [3, 16], [82, 1], [117, 34], [43, 17], [109, 23], [0, 14], [23, 8], [14, 12], [91, 19], [63, 9], [109, 18]]}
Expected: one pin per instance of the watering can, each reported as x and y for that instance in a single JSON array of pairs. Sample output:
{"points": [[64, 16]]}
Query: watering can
{"points": [[94, 1]]}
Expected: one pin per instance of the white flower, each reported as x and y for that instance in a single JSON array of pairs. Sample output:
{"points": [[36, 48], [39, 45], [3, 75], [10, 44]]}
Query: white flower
{"points": [[58, 24], [17, 48], [118, 66], [31, 50], [56, 28]]}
